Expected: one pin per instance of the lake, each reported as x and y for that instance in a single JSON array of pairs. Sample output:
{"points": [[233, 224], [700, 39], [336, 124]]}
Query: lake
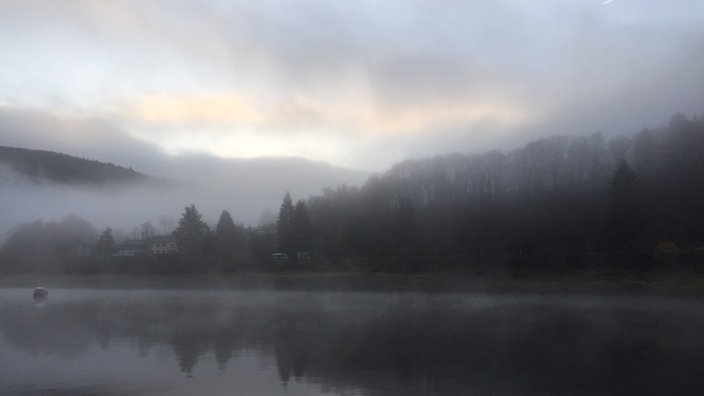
{"points": [[133, 342]]}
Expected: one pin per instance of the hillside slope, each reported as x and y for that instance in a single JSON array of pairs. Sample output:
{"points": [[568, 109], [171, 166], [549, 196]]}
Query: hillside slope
{"points": [[41, 165]]}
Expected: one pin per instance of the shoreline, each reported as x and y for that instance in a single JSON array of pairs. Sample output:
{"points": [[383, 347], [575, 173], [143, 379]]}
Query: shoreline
{"points": [[673, 284]]}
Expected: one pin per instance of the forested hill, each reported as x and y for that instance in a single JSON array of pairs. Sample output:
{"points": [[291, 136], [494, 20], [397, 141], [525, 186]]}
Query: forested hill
{"points": [[41, 165], [567, 198]]}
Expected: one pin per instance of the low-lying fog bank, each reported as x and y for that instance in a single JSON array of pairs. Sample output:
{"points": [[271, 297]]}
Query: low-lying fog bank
{"points": [[670, 284]]}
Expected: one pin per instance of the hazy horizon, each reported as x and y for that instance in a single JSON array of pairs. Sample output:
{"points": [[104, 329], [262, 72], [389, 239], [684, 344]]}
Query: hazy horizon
{"points": [[177, 89], [249, 190]]}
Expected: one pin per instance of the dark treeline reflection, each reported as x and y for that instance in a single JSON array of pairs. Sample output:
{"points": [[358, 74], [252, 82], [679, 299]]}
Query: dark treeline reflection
{"points": [[393, 343]]}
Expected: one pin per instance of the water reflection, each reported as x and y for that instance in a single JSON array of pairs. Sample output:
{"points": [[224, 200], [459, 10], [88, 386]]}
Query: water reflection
{"points": [[381, 344]]}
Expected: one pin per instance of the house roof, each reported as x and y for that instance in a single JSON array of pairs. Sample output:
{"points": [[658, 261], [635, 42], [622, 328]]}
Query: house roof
{"points": [[162, 239]]}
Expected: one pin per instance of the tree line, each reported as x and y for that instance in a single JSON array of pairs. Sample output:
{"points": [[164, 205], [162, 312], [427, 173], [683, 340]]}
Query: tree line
{"points": [[557, 204], [73, 246]]}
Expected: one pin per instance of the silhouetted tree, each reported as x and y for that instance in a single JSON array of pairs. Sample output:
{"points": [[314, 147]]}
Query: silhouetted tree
{"points": [[147, 231], [192, 233], [105, 247], [46, 246], [683, 179], [24, 248], [285, 229], [261, 241], [227, 240], [624, 219], [404, 227], [303, 231], [74, 228]]}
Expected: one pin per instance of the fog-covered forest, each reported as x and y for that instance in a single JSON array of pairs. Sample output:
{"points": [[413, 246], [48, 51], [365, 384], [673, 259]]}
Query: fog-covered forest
{"points": [[559, 204], [41, 165]]}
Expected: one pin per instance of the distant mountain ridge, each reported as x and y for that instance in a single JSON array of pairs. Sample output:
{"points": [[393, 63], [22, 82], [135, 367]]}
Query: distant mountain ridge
{"points": [[39, 165]]}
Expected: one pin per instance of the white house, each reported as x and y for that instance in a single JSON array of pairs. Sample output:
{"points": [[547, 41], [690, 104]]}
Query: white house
{"points": [[162, 245], [130, 248]]}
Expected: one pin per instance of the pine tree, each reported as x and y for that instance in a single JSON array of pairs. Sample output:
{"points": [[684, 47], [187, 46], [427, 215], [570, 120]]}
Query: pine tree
{"points": [[285, 230], [624, 216], [192, 233], [227, 239], [303, 231], [106, 244]]}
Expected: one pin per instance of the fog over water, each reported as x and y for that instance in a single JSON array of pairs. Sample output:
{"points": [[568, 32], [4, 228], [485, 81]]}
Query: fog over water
{"points": [[492, 143], [95, 342]]}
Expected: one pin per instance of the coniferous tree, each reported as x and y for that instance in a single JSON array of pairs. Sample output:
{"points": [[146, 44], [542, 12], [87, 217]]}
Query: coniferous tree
{"points": [[624, 216], [106, 244], [285, 230], [227, 239], [303, 230], [192, 233]]}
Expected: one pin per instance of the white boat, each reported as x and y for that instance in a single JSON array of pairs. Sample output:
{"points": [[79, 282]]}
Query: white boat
{"points": [[40, 292]]}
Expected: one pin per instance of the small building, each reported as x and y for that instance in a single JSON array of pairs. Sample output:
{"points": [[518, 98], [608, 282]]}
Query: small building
{"points": [[163, 245], [82, 249], [131, 248]]}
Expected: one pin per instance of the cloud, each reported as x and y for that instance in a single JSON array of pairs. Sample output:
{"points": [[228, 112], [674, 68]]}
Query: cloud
{"points": [[196, 109], [74, 134], [339, 80]]}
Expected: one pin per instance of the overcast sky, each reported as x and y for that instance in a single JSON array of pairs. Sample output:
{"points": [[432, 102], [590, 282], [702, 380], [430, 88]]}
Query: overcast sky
{"points": [[360, 84]]}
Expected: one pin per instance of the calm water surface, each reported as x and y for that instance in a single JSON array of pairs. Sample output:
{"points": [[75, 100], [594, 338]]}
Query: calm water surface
{"points": [[119, 342]]}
